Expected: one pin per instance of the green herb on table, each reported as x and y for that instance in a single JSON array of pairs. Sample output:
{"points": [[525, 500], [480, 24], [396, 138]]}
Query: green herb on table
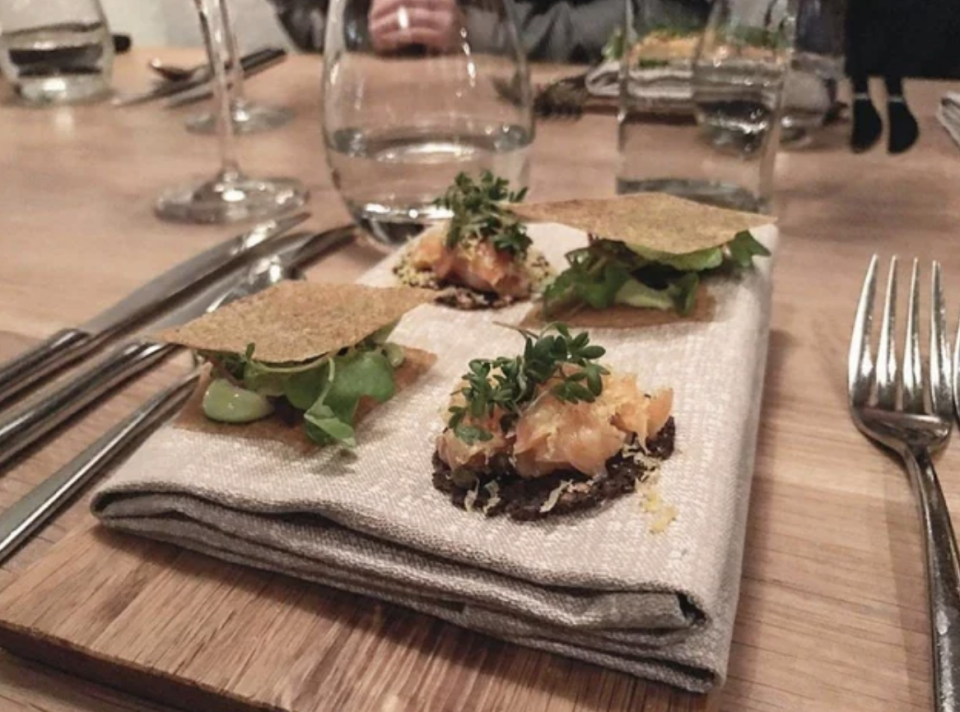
{"points": [[326, 390], [607, 273], [478, 213], [508, 385]]}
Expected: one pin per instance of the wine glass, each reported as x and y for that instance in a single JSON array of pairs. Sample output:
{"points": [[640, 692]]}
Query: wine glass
{"points": [[247, 116], [410, 100], [230, 195]]}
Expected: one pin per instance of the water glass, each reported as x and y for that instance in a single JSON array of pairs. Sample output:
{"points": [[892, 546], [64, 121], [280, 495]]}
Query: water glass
{"points": [[722, 154], [56, 51], [816, 68], [410, 100]]}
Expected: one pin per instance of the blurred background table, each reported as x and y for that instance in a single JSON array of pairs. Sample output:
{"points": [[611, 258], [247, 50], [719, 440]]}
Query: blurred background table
{"points": [[832, 613]]}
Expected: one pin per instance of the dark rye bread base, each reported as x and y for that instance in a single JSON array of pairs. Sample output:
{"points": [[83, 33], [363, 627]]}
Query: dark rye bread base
{"points": [[465, 298], [523, 499]]}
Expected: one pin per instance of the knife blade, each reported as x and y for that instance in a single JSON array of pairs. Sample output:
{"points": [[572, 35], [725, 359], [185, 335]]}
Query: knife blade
{"points": [[248, 63], [68, 345], [36, 420]]}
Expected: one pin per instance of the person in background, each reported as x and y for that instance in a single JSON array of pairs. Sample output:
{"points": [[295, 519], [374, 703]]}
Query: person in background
{"points": [[550, 30]]}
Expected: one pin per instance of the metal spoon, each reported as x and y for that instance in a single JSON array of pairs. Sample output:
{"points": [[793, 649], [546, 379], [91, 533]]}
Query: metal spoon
{"points": [[173, 73]]}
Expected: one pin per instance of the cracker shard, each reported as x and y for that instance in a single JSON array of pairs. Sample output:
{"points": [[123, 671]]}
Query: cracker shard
{"points": [[298, 321], [655, 221]]}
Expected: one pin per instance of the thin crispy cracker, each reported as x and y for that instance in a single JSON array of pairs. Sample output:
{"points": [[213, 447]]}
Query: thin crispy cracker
{"points": [[415, 365], [656, 221], [621, 316], [298, 321]]}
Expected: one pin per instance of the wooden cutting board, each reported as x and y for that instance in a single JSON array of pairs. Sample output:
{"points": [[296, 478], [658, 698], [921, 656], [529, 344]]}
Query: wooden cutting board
{"points": [[201, 634], [832, 611]]}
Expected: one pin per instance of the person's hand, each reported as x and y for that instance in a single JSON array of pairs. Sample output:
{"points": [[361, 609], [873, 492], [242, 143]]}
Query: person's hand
{"points": [[398, 23]]}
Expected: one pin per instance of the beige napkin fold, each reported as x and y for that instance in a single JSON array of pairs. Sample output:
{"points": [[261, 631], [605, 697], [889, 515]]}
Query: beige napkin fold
{"points": [[599, 586]]}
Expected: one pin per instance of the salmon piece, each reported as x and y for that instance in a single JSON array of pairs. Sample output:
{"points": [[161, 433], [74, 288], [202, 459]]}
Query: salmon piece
{"points": [[475, 456], [555, 435], [658, 410], [429, 248], [474, 264], [479, 266]]}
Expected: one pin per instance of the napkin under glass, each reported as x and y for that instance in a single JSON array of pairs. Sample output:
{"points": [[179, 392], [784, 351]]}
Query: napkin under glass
{"points": [[599, 586], [949, 115]]}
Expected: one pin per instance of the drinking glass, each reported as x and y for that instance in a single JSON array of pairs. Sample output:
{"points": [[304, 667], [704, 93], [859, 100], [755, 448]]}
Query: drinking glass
{"points": [[247, 116], [727, 158], [410, 101], [230, 195], [816, 68], [56, 51]]}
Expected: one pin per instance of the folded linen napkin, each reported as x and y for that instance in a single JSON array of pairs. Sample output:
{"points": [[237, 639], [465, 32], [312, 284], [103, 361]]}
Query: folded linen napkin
{"points": [[949, 115], [667, 88], [599, 586]]}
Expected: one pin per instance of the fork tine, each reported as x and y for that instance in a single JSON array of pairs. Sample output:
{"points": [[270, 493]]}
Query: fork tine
{"points": [[886, 351], [859, 363], [912, 366], [940, 398]]}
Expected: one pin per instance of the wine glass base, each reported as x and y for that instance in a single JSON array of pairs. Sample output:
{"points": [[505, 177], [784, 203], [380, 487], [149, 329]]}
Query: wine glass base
{"points": [[248, 118], [225, 201]]}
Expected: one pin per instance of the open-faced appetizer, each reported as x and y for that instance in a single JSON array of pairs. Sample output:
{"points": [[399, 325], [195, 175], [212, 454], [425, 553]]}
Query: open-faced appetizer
{"points": [[549, 431], [481, 258], [306, 354], [645, 251]]}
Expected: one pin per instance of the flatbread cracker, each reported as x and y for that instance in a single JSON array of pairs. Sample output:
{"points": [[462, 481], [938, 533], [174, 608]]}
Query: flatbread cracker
{"points": [[656, 221], [416, 363], [298, 321], [622, 316]]}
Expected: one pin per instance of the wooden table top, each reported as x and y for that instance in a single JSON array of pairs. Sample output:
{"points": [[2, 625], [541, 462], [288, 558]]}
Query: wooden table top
{"points": [[832, 613]]}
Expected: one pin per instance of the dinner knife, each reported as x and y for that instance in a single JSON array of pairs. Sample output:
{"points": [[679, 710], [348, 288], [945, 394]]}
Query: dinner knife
{"points": [[249, 62], [25, 427], [37, 506], [68, 345]]}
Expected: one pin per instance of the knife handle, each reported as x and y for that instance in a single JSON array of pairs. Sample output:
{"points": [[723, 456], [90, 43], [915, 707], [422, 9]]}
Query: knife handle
{"points": [[34, 365], [39, 418], [38, 505]]}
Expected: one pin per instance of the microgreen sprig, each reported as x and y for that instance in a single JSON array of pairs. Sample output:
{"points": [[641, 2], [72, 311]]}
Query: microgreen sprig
{"points": [[509, 384], [477, 212]]}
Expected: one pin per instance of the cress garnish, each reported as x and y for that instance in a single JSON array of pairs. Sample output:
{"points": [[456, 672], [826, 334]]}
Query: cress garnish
{"points": [[478, 213], [510, 384]]}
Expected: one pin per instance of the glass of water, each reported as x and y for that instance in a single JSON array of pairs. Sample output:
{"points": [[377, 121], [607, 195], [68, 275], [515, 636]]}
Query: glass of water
{"points": [[56, 51], [721, 150], [816, 69], [410, 101]]}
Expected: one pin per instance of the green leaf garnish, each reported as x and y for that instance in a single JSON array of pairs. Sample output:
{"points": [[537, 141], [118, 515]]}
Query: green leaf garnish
{"points": [[327, 389], [509, 384], [743, 248], [324, 427], [478, 213], [609, 272]]}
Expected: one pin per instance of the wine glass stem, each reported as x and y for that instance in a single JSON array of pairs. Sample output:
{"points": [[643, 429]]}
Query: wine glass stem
{"points": [[237, 94], [214, 37]]}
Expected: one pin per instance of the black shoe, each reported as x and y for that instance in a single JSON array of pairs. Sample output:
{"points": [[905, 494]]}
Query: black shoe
{"points": [[867, 125], [904, 130]]}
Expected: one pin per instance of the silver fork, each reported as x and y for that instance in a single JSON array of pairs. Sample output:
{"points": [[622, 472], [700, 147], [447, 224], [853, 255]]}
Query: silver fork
{"points": [[912, 414]]}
